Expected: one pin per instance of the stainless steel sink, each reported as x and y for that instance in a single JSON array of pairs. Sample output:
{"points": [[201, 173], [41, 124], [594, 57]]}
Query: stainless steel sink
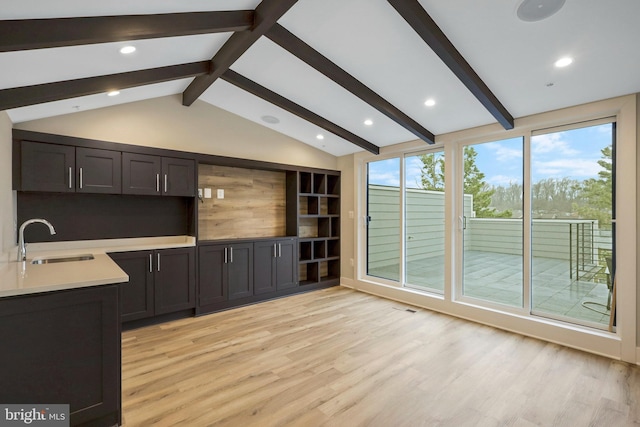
{"points": [[51, 260]]}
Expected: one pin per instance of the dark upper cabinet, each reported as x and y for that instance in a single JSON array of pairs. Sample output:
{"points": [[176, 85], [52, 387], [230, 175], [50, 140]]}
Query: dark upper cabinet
{"points": [[161, 281], [99, 171], [174, 277], [155, 175], [274, 265], [136, 296], [178, 177], [65, 169], [47, 167], [141, 174]]}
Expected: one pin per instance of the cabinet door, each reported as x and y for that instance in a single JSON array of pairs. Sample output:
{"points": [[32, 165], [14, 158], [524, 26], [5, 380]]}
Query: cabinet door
{"points": [[174, 280], [287, 264], [178, 176], [211, 274], [136, 296], [240, 270], [141, 174], [47, 167], [99, 171], [264, 262], [63, 347]]}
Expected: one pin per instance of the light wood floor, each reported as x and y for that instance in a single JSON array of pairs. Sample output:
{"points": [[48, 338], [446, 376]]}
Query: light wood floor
{"points": [[342, 358]]}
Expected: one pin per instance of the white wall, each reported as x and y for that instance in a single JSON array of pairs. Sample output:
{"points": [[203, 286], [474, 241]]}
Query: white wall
{"points": [[202, 128], [7, 216]]}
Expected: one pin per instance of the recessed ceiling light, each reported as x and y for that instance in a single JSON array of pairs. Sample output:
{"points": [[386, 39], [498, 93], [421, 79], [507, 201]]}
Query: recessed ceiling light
{"points": [[537, 10], [563, 62], [113, 93], [270, 119], [368, 122], [320, 136], [126, 50], [430, 102]]}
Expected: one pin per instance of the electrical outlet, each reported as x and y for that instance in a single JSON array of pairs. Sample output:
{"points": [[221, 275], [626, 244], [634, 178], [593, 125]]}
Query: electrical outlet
{"points": [[207, 193], [220, 194], [200, 194]]}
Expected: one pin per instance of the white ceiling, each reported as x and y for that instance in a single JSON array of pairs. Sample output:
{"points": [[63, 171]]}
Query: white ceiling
{"points": [[369, 40]]}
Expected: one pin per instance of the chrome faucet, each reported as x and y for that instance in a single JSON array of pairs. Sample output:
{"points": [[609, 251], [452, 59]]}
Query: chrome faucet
{"points": [[22, 246]]}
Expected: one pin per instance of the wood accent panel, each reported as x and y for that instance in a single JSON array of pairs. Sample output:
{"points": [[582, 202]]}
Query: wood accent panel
{"points": [[338, 357], [254, 203]]}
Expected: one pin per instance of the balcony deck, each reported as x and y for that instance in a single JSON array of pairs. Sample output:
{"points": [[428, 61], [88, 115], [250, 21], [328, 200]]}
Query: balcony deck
{"points": [[498, 278]]}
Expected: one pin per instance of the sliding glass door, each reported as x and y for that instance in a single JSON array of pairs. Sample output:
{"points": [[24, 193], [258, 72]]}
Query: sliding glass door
{"points": [[492, 222], [572, 210], [424, 213], [383, 219]]}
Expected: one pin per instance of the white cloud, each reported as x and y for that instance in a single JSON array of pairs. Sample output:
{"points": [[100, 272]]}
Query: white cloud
{"points": [[551, 143], [505, 154], [574, 168]]}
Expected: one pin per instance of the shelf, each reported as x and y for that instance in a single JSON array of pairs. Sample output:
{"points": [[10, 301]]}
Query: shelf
{"points": [[320, 183], [333, 185], [305, 183], [305, 251]]}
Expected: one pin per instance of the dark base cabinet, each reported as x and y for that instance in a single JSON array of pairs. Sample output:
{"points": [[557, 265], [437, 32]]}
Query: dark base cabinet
{"points": [[275, 263], [160, 282], [242, 272], [63, 347]]}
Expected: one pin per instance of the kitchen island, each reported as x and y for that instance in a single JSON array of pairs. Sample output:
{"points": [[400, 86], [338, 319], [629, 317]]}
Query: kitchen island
{"points": [[60, 327]]}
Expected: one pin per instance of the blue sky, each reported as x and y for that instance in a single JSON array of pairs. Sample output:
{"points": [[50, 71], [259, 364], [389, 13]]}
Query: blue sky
{"points": [[574, 154]]}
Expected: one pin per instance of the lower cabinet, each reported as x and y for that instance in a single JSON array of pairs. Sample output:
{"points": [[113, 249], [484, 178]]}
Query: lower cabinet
{"points": [[160, 282], [234, 270], [225, 272], [274, 265], [63, 348]]}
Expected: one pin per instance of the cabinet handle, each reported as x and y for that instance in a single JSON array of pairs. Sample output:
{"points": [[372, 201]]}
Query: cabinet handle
{"points": [[150, 263], [231, 254], [275, 253], [165, 182], [225, 255], [279, 250], [158, 261], [70, 176], [157, 183], [81, 178]]}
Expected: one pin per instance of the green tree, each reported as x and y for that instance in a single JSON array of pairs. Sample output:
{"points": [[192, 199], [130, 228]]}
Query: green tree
{"points": [[432, 177], [596, 201]]}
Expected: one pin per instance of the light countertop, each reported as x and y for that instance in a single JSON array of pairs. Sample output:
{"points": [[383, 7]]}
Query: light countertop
{"points": [[21, 278]]}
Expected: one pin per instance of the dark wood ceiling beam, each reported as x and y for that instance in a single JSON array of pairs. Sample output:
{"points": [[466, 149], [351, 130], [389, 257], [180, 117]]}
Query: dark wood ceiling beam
{"points": [[266, 14], [48, 92], [288, 41], [290, 106], [47, 33], [428, 30]]}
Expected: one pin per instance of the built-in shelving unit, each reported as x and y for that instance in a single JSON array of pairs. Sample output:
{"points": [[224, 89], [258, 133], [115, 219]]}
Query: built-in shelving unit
{"points": [[318, 227]]}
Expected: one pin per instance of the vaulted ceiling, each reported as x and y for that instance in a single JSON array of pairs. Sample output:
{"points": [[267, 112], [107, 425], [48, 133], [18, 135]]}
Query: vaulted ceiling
{"points": [[320, 67]]}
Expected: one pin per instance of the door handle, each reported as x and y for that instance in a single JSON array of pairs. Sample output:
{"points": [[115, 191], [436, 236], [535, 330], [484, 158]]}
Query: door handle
{"points": [[157, 183], [279, 250], [150, 263], [275, 254], [70, 176], [165, 182], [225, 255], [231, 254], [158, 261], [80, 178]]}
